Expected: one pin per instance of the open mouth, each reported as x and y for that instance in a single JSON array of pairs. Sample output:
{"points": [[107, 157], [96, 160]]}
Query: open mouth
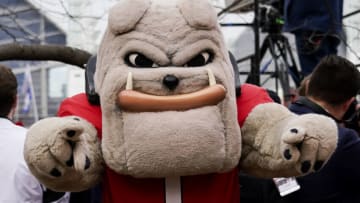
{"points": [[135, 101]]}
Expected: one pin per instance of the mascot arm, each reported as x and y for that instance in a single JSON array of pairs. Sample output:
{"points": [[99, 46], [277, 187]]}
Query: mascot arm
{"points": [[64, 153], [278, 143]]}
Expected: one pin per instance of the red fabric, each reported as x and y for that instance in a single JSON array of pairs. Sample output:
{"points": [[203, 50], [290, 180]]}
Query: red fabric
{"points": [[211, 188], [251, 96], [125, 189], [78, 105], [19, 123]]}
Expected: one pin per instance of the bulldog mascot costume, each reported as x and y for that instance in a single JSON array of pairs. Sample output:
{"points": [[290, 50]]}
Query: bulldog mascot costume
{"points": [[169, 127]]}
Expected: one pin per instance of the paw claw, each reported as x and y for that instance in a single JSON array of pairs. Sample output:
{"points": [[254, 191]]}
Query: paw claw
{"points": [[305, 166], [71, 133], [287, 154], [55, 172], [294, 130], [87, 163]]}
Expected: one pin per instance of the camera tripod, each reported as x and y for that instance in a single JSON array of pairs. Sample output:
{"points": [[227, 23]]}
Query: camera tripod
{"points": [[268, 18], [283, 59]]}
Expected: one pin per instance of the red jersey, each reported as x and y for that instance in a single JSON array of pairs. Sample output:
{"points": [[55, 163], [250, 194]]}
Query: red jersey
{"points": [[210, 188]]}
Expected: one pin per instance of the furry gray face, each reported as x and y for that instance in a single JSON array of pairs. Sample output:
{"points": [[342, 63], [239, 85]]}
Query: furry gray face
{"points": [[167, 92]]}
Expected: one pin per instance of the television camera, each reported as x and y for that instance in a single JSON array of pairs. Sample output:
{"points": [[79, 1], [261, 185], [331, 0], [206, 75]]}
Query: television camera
{"points": [[271, 16]]}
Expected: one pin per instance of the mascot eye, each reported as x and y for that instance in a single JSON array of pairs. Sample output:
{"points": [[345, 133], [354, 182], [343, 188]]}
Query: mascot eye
{"points": [[200, 60], [139, 61]]}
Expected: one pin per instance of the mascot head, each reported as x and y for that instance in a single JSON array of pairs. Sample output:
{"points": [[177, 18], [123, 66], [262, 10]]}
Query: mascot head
{"points": [[167, 92]]}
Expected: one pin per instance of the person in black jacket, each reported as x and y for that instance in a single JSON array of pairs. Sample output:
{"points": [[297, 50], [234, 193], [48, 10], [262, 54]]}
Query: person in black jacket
{"points": [[331, 90]]}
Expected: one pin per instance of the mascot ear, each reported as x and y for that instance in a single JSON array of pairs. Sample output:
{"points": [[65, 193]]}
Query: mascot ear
{"points": [[92, 96], [126, 14], [236, 74], [197, 12]]}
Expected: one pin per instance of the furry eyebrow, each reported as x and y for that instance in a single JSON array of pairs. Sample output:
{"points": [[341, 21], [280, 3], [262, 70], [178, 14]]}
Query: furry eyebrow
{"points": [[146, 49], [184, 55]]}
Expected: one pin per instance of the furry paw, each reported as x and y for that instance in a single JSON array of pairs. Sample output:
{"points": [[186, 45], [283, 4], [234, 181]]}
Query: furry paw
{"points": [[64, 153], [309, 141]]}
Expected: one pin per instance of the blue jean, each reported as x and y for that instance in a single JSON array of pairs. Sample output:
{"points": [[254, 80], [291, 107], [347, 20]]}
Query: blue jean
{"points": [[312, 47]]}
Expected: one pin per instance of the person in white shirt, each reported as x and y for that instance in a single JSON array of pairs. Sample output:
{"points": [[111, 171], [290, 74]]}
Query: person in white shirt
{"points": [[17, 184]]}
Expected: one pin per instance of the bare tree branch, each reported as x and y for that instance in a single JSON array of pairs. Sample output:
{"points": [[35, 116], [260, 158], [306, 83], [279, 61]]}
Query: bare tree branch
{"points": [[7, 32], [66, 12], [13, 16], [65, 54]]}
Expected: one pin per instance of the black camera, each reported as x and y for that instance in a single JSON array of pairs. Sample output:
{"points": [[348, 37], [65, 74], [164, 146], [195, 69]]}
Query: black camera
{"points": [[271, 16]]}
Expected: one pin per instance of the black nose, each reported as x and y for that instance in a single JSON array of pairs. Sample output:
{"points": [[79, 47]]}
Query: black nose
{"points": [[170, 82]]}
